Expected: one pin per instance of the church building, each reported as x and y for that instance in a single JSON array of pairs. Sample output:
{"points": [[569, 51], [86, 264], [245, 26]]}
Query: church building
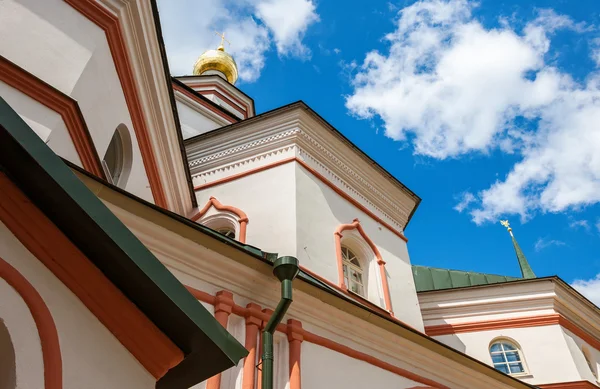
{"points": [[155, 232]]}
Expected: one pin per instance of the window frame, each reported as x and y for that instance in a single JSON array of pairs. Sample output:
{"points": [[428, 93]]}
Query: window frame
{"points": [[348, 265], [506, 362]]}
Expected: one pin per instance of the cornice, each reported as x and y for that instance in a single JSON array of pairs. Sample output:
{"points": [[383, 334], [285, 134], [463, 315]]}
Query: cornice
{"points": [[232, 153]]}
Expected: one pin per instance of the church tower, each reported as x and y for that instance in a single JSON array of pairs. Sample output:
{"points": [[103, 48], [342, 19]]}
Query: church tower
{"points": [[214, 76]]}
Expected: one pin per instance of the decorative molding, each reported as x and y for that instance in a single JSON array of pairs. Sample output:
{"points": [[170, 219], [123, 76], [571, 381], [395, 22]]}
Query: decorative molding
{"points": [[294, 327], [232, 104], [146, 342], [520, 322], [569, 385], [227, 156], [64, 105], [355, 225], [322, 178], [51, 355], [214, 88], [109, 22], [229, 118], [242, 217], [229, 96]]}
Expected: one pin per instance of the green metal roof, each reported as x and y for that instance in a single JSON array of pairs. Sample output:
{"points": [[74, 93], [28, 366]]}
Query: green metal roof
{"points": [[51, 185], [431, 278]]}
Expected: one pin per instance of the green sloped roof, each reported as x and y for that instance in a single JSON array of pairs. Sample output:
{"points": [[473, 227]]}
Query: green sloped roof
{"points": [[431, 278]]}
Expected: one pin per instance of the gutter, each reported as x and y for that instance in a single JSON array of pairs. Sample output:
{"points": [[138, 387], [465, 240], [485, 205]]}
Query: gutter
{"points": [[285, 269]]}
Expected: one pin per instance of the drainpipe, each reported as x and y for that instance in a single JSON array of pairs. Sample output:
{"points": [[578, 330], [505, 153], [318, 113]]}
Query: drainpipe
{"points": [[285, 269]]}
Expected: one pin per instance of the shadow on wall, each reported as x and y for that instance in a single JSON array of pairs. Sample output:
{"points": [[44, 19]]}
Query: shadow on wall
{"points": [[454, 342], [8, 378]]}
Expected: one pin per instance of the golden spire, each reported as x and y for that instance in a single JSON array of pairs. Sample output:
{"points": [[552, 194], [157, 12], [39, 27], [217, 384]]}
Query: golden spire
{"points": [[217, 62]]}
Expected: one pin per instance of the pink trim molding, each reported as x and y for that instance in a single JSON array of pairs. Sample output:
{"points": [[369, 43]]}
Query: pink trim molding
{"points": [[242, 217], [355, 225]]}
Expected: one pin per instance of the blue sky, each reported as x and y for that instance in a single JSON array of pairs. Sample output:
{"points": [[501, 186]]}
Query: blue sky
{"points": [[487, 110]]}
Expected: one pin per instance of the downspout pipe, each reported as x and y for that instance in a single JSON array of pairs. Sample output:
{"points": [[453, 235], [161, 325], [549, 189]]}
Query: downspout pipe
{"points": [[285, 269]]}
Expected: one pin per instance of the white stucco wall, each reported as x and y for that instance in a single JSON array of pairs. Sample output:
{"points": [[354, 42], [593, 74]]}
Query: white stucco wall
{"points": [[576, 346], [57, 44], [92, 357], [319, 212], [268, 198], [547, 355], [340, 371], [193, 122], [291, 212], [47, 123]]}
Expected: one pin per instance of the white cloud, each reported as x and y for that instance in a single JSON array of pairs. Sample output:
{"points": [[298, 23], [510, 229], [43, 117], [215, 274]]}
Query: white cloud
{"points": [[252, 26], [589, 288], [451, 87], [595, 51], [288, 20], [543, 243], [576, 224], [466, 199]]}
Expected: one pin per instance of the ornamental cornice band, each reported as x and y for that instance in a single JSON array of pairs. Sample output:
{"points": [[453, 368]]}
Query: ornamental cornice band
{"points": [[305, 139]]}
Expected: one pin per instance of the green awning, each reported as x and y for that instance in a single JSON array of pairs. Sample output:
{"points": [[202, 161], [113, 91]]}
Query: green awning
{"points": [[92, 227]]}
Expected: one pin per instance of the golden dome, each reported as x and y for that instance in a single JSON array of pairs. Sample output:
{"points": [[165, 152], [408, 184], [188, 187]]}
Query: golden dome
{"points": [[217, 60]]}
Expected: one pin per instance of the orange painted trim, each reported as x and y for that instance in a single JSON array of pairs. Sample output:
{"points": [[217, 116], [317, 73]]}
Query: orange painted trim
{"points": [[578, 331], [253, 324], [569, 385], [148, 344], [242, 217], [238, 105], [223, 306], [44, 323], [295, 338], [223, 90], [520, 322], [314, 173], [231, 103], [355, 225], [324, 342], [229, 117], [318, 340], [64, 105], [114, 36]]}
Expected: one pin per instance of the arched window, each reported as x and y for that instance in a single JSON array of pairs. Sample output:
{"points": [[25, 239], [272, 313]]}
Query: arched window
{"points": [[590, 361], [117, 159], [8, 379], [353, 272], [507, 357], [228, 232]]}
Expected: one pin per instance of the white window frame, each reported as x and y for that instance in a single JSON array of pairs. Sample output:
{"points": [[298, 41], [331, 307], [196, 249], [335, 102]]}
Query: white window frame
{"points": [[504, 352], [347, 266], [221, 221]]}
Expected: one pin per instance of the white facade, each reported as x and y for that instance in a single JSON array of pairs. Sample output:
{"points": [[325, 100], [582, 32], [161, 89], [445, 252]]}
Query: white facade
{"points": [[538, 316], [303, 188]]}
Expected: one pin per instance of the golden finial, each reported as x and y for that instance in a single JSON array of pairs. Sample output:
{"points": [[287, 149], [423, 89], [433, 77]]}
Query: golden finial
{"points": [[506, 224], [223, 40]]}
